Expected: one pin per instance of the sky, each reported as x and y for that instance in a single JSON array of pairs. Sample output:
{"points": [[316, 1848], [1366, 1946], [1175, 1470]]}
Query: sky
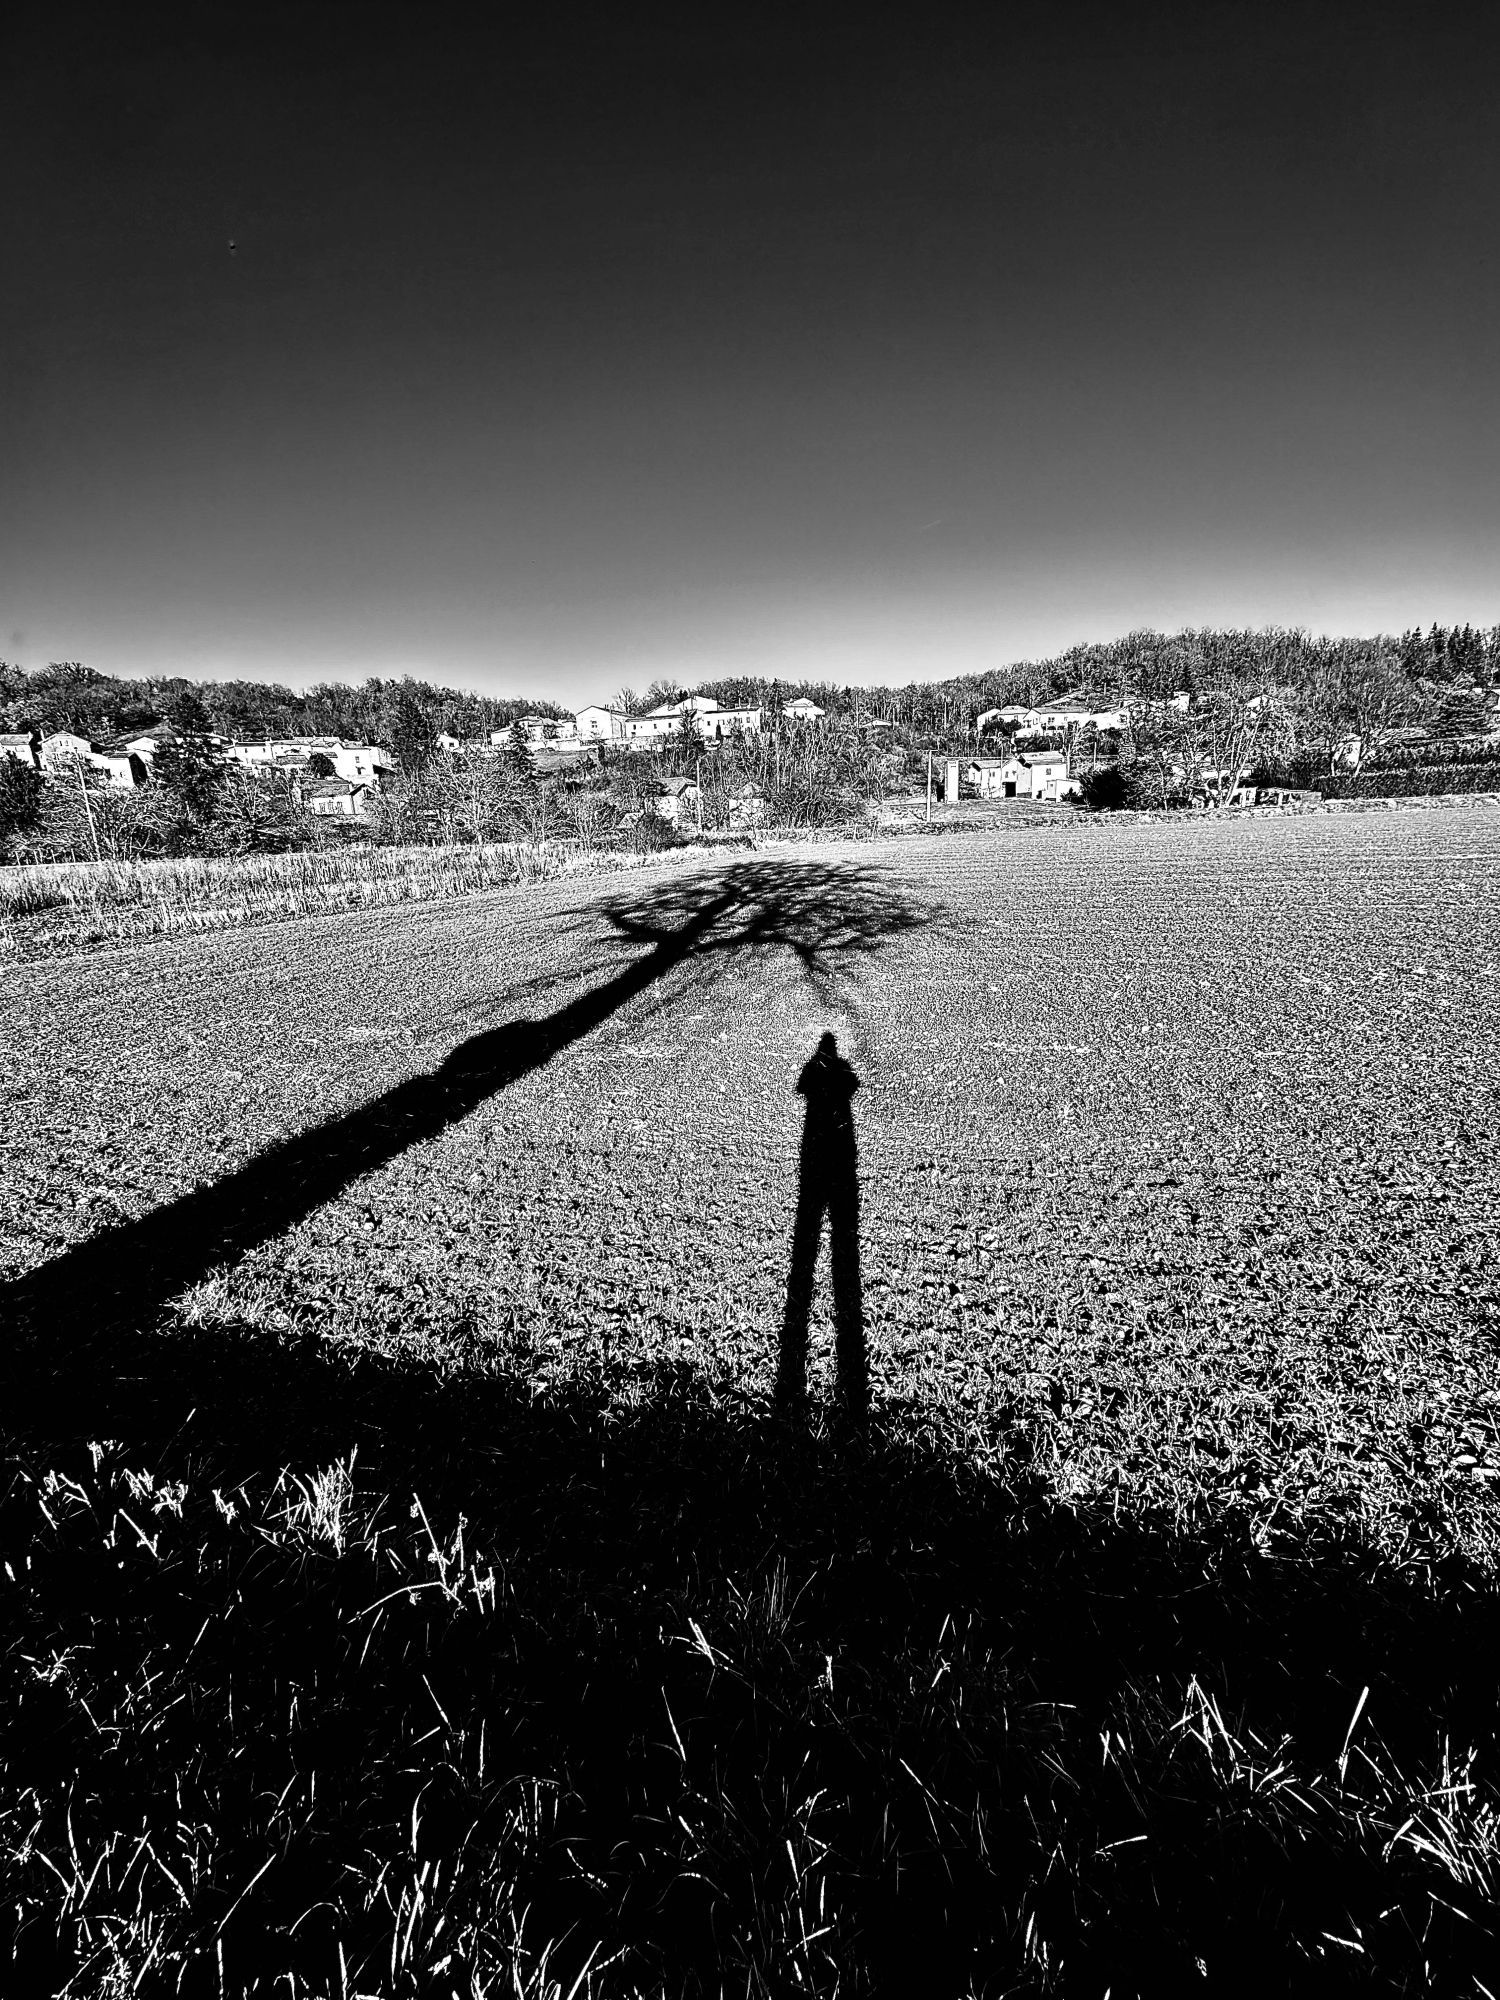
{"points": [[869, 346]]}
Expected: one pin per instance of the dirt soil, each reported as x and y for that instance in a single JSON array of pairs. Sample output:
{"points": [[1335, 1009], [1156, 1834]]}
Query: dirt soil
{"points": [[1176, 1143]]}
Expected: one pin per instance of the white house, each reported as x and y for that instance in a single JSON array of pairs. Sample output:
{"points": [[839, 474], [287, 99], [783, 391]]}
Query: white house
{"points": [[1050, 718], [355, 763], [803, 710], [1048, 771], [547, 729], [20, 747], [710, 721], [996, 777], [146, 745], [662, 725], [360, 763], [62, 749], [597, 724], [121, 770]]}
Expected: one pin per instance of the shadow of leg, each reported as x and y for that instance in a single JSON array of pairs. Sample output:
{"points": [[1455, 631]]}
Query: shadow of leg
{"points": [[848, 1296], [791, 1369]]}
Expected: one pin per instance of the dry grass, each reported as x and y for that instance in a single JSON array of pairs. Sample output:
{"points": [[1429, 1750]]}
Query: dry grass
{"points": [[113, 900]]}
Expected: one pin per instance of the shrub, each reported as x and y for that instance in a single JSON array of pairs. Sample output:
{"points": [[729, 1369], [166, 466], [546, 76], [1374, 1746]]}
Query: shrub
{"points": [[651, 834], [20, 800], [1105, 790], [1415, 781]]}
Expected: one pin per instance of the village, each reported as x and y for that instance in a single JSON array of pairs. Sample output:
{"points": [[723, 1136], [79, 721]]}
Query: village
{"points": [[334, 777]]}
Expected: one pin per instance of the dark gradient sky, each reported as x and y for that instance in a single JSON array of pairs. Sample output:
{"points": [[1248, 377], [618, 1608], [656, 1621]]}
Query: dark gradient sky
{"points": [[873, 347]]}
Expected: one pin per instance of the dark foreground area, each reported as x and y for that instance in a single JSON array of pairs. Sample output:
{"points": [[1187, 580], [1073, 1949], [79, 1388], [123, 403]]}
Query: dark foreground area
{"points": [[642, 1691]]}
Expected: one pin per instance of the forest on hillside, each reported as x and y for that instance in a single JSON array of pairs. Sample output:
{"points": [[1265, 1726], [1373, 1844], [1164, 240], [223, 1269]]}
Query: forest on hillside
{"points": [[69, 695], [1147, 665]]}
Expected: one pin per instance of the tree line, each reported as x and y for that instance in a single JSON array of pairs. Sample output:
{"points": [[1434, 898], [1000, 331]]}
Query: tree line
{"points": [[1277, 701], [69, 695], [407, 715]]}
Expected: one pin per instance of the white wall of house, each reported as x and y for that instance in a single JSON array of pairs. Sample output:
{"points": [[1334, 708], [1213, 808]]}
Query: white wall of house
{"points": [[360, 763], [119, 772], [598, 724], [61, 748]]}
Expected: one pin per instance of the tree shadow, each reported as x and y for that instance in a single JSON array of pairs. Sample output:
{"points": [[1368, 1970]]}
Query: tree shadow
{"points": [[827, 920], [827, 1184]]}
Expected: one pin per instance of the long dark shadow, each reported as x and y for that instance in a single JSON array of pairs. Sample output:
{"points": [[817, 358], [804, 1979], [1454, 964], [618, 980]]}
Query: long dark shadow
{"points": [[826, 917], [827, 1184]]}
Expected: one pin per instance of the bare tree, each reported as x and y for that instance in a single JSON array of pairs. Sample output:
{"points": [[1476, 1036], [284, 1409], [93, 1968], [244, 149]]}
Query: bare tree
{"points": [[1236, 725], [1163, 748], [1360, 695]]}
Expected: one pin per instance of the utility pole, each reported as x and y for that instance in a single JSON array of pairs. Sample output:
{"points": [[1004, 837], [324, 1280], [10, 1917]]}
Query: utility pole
{"points": [[88, 811], [929, 787], [698, 781]]}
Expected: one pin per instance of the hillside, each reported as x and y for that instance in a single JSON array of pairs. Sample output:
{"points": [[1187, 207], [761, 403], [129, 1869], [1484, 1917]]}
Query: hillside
{"points": [[1150, 664]]}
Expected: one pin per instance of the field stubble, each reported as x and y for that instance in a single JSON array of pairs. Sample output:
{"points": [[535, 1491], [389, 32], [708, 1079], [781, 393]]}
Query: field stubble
{"points": [[1146, 1631]]}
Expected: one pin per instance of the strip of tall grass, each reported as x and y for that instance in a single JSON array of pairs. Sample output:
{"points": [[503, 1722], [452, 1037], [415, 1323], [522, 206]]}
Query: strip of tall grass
{"points": [[100, 901]]}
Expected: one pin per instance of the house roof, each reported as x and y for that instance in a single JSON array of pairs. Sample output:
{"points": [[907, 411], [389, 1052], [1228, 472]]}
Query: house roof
{"points": [[675, 787], [12, 737], [331, 788], [1044, 757]]}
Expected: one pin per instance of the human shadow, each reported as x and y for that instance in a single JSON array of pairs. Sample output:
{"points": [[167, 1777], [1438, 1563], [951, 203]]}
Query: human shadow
{"points": [[826, 919], [827, 1184]]}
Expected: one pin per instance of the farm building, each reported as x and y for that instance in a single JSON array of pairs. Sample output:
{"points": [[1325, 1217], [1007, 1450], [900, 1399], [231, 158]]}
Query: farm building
{"points": [[748, 806], [990, 777], [675, 800], [1027, 775], [335, 798]]}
